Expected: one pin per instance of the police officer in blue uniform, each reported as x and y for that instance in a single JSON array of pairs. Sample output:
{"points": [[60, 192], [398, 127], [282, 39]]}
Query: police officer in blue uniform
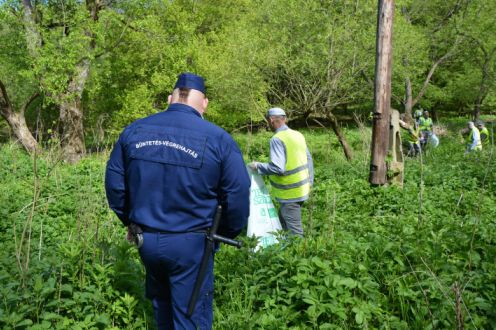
{"points": [[167, 173]]}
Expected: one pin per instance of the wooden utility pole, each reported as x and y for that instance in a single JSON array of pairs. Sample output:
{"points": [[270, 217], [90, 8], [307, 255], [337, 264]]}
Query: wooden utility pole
{"points": [[382, 92]]}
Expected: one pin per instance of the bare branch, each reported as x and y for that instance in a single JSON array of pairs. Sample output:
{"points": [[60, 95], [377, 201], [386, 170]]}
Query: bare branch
{"points": [[431, 72], [452, 12], [28, 103], [118, 41], [366, 78]]}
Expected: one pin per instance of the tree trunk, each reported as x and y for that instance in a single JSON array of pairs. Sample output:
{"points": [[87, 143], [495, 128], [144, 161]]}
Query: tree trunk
{"points": [[71, 112], [408, 101], [434, 115], [71, 115], [477, 109], [483, 88], [33, 37], [71, 118], [486, 75], [342, 140], [17, 121], [382, 93], [18, 125]]}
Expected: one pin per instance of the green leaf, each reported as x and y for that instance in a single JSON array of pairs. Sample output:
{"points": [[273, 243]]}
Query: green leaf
{"points": [[24, 323], [348, 282]]}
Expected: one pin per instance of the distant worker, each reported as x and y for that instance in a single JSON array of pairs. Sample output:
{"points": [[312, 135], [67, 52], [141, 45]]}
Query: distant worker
{"points": [[412, 138], [290, 170], [413, 141], [165, 178], [417, 114], [425, 127], [473, 138], [484, 134]]}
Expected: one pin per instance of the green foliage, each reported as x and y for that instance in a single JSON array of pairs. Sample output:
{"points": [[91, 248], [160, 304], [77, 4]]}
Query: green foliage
{"points": [[373, 257], [310, 57], [136, 77], [75, 274], [384, 257], [314, 45], [231, 54], [15, 68]]}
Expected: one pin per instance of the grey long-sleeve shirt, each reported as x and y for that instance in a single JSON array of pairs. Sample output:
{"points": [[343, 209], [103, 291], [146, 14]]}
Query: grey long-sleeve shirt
{"points": [[277, 164]]}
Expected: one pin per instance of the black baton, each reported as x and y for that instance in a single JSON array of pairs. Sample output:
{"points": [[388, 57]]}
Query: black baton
{"points": [[212, 237]]}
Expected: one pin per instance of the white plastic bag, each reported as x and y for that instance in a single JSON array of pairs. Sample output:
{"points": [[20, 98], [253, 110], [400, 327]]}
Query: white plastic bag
{"points": [[263, 221], [434, 140]]}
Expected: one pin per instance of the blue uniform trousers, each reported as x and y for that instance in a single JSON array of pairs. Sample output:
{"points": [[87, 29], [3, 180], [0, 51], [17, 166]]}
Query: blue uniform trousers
{"points": [[172, 262]]}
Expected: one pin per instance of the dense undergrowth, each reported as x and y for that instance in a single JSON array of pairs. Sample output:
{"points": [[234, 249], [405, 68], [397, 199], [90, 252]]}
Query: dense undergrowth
{"points": [[417, 257]]}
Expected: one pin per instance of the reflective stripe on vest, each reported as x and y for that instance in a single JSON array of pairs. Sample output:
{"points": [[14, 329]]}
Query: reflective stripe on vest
{"points": [[295, 182]]}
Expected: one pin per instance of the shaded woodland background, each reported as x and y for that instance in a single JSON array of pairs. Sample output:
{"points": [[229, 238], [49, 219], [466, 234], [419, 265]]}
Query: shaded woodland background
{"points": [[75, 73]]}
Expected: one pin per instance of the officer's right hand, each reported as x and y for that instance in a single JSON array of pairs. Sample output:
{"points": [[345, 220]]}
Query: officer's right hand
{"points": [[129, 235]]}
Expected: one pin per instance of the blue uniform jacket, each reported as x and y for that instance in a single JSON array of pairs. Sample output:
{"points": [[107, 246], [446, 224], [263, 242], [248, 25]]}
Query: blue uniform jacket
{"points": [[169, 171]]}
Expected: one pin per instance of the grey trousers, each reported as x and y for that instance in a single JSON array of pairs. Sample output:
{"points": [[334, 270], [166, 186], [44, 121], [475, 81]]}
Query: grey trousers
{"points": [[290, 216]]}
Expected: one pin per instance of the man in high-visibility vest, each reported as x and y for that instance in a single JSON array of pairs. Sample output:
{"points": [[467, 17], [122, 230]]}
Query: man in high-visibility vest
{"points": [[425, 127], [413, 141], [412, 138], [484, 134], [290, 170], [473, 138], [417, 114]]}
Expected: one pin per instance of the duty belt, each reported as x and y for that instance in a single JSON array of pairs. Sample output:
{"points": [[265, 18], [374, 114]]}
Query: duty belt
{"points": [[147, 229]]}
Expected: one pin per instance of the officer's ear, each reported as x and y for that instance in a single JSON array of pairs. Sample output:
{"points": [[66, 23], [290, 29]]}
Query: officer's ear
{"points": [[169, 99], [205, 104]]}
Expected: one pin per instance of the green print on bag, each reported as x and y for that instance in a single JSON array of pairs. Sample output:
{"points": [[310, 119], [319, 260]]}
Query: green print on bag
{"points": [[261, 196], [271, 212], [263, 222]]}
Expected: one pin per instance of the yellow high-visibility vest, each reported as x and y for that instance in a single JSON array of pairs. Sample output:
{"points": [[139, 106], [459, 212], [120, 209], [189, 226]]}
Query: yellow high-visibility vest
{"points": [[295, 182], [425, 124], [413, 135], [474, 134], [484, 135]]}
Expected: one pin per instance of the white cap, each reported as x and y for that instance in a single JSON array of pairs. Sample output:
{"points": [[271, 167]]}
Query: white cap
{"points": [[276, 112]]}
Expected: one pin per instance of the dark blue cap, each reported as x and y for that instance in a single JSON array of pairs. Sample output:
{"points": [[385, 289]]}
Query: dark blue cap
{"points": [[191, 81]]}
